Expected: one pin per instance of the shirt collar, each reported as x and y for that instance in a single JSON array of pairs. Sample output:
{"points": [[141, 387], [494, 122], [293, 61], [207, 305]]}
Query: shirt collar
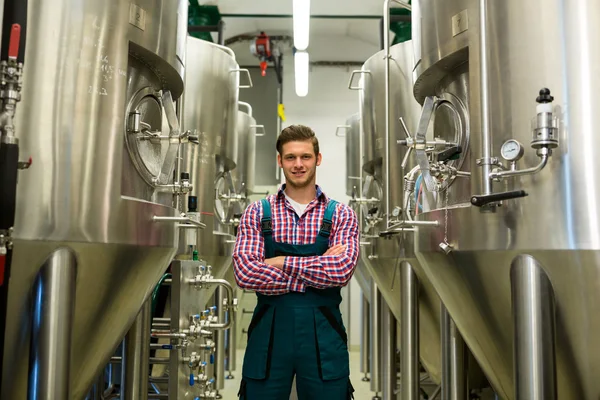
{"points": [[320, 194]]}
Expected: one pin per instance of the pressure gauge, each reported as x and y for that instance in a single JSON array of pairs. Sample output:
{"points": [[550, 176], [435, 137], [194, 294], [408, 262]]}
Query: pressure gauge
{"points": [[396, 212], [512, 150]]}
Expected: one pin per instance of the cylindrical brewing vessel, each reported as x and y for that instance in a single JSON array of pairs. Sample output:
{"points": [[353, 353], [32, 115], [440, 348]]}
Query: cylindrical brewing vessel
{"points": [[210, 108], [353, 156], [85, 63], [244, 174], [382, 256], [474, 282]]}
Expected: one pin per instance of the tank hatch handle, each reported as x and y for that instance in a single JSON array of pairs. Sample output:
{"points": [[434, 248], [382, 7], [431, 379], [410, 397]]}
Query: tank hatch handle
{"points": [[452, 153], [482, 200]]}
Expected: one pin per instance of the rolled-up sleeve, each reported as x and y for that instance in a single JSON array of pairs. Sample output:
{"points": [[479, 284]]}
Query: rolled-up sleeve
{"points": [[248, 258]]}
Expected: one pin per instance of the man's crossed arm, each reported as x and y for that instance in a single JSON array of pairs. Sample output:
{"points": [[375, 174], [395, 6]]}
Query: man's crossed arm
{"points": [[280, 275]]}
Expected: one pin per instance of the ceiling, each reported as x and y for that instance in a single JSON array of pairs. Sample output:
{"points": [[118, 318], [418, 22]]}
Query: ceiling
{"points": [[332, 7], [364, 29]]}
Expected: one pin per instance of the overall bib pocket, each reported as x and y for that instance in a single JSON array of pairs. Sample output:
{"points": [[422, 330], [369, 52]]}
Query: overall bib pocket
{"points": [[331, 341], [257, 360]]}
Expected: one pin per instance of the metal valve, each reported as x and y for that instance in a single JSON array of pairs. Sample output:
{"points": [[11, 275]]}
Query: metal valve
{"points": [[545, 124]]}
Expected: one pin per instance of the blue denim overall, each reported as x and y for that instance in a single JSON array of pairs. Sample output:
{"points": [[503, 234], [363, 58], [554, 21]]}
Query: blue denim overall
{"points": [[297, 334]]}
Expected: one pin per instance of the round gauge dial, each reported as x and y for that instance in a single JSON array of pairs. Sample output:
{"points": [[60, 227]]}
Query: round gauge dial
{"points": [[512, 150]]}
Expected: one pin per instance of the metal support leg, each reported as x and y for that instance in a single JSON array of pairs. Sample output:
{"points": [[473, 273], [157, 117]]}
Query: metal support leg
{"points": [[388, 351], [533, 312], [365, 339], [52, 322], [231, 348], [136, 357], [220, 296], [375, 306], [410, 333], [454, 363]]}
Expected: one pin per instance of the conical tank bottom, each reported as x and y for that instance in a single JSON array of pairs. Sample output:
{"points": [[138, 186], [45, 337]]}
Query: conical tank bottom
{"points": [[474, 284], [385, 269], [113, 282]]}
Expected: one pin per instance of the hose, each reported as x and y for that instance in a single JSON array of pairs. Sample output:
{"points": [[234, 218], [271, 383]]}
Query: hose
{"points": [[156, 289]]}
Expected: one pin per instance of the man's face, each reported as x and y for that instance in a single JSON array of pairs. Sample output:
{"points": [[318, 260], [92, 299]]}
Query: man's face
{"points": [[299, 163]]}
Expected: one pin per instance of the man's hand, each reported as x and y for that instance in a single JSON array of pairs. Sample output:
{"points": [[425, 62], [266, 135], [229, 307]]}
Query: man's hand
{"points": [[335, 250], [276, 262]]}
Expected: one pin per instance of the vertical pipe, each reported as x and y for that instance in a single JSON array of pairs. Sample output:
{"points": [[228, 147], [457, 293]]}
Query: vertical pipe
{"points": [[454, 378], [221, 33], [410, 332], [386, 45], [231, 347], [52, 322], [388, 361], [136, 356], [486, 139], [220, 295], [534, 360], [375, 304], [364, 337]]}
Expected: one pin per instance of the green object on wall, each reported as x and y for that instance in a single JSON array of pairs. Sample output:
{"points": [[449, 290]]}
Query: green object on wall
{"points": [[202, 16], [402, 29]]}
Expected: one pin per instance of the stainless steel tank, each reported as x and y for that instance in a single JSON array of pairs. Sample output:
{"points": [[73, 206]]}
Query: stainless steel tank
{"points": [[244, 174], [354, 183], [557, 223], [85, 62], [353, 156], [383, 254], [210, 108]]}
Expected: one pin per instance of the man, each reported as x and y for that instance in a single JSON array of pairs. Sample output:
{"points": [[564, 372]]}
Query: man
{"points": [[296, 249]]}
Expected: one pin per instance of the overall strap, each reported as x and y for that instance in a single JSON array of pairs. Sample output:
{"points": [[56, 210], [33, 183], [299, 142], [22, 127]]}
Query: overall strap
{"points": [[266, 227], [327, 224]]}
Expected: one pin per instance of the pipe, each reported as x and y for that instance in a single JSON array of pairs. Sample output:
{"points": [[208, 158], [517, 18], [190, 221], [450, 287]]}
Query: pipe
{"points": [[364, 338], [393, 18], [388, 361], [248, 107], [230, 299], [220, 340], [52, 326], [375, 306], [454, 365], [136, 356], [152, 360], [231, 349], [410, 332], [533, 312], [386, 45], [533, 170], [219, 28], [318, 16], [486, 139]]}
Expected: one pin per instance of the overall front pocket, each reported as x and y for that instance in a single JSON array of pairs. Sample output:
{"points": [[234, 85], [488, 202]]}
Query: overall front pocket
{"points": [[331, 340], [257, 360]]}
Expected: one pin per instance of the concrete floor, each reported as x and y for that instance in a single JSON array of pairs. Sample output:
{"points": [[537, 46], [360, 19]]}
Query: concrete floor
{"points": [[362, 389]]}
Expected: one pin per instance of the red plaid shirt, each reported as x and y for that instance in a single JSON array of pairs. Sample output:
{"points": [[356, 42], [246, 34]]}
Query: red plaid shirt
{"points": [[298, 272]]}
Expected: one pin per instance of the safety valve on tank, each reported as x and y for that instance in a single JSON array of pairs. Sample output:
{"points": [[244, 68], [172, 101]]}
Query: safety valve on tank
{"points": [[545, 124], [545, 138]]}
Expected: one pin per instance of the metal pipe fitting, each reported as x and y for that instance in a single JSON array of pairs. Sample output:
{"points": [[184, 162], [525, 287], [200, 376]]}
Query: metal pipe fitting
{"points": [[529, 171]]}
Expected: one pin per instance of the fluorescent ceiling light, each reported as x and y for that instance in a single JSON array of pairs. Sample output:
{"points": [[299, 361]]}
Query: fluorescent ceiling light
{"points": [[301, 11], [301, 73]]}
